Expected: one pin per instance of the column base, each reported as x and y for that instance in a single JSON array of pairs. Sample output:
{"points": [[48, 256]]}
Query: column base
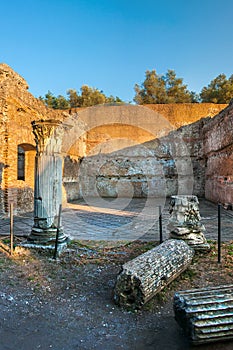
{"points": [[46, 239]]}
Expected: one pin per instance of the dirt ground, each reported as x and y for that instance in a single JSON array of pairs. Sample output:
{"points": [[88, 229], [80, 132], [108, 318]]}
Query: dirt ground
{"points": [[67, 304]]}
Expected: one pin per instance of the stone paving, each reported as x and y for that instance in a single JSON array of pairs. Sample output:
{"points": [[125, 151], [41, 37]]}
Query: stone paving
{"points": [[122, 219]]}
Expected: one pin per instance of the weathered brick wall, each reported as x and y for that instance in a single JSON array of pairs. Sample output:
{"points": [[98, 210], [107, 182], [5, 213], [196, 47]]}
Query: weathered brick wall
{"points": [[123, 167], [17, 109], [121, 155], [218, 148]]}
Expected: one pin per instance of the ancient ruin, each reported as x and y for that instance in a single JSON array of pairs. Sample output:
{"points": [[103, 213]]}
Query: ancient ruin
{"points": [[109, 151], [182, 151]]}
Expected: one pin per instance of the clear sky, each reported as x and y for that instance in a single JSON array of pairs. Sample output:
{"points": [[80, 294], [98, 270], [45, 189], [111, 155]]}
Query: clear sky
{"points": [[109, 44]]}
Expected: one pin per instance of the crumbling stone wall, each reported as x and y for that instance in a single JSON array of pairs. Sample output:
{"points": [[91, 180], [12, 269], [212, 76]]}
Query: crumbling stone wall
{"points": [[71, 183], [131, 159], [17, 109]]}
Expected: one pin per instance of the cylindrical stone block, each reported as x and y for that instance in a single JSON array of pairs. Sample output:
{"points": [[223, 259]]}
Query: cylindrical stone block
{"points": [[147, 274]]}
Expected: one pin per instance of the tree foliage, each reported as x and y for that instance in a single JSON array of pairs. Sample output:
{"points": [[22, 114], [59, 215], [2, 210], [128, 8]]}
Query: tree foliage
{"points": [[162, 89], [87, 97], [219, 90], [177, 92], [167, 88]]}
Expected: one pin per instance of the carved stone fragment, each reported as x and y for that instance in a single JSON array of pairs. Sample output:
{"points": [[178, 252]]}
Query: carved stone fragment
{"points": [[185, 221], [147, 274]]}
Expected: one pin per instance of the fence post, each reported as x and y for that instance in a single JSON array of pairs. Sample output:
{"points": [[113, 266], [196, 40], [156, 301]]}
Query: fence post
{"points": [[160, 225], [219, 233], [57, 234], [11, 229]]}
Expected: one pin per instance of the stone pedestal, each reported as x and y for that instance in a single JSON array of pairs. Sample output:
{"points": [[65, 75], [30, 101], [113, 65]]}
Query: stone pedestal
{"points": [[185, 221], [48, 184]]}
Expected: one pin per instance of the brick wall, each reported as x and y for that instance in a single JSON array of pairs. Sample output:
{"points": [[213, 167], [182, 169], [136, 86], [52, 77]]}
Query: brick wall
{"points": [[218, 148], [17, 109]]}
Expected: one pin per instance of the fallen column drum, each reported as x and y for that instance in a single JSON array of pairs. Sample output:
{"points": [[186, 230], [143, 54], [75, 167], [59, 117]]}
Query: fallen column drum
{"points": [[141, 278], [206, 315]]}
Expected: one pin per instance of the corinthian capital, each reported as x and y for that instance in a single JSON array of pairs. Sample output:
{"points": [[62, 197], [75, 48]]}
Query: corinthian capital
{"points": [[48, 135]]}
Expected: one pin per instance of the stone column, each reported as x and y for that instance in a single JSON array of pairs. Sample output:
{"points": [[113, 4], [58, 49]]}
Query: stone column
{"points": [[48, 184]]}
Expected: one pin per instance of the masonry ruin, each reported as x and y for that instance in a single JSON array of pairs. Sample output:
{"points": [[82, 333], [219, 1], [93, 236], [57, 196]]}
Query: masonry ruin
{"points": [[112, 151]]}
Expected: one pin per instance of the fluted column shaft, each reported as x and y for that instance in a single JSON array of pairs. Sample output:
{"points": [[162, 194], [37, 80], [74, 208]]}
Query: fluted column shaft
{"points": [[48, 182]]}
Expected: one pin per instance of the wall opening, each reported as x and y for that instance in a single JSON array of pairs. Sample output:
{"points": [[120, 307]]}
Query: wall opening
{"points": [[21, 164], [25, 160]]}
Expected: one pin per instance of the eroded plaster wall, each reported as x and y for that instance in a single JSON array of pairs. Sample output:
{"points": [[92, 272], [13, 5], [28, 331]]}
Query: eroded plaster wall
{"points": [[116, 164], [128, 150], [180, 114]]}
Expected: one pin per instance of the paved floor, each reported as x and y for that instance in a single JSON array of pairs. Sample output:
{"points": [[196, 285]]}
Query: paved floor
{"points": [[123, 219]]}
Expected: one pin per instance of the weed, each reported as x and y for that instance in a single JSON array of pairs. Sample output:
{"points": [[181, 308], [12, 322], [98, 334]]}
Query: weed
{"points": [[189, 274], [230, 249], [31, 278]]}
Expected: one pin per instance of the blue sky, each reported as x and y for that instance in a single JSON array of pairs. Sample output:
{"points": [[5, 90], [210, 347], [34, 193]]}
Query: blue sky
{"points": [[109, 44]]}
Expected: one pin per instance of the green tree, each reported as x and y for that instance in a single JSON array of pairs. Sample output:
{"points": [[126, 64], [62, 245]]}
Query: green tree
{"points": [[62, 103], [219, 90], [195, 98], [58, 102], [88, 97], [73, 98], [162, 89], [152, 90], [49, 100], [91, 96], [112, 100], [177, 92]]}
